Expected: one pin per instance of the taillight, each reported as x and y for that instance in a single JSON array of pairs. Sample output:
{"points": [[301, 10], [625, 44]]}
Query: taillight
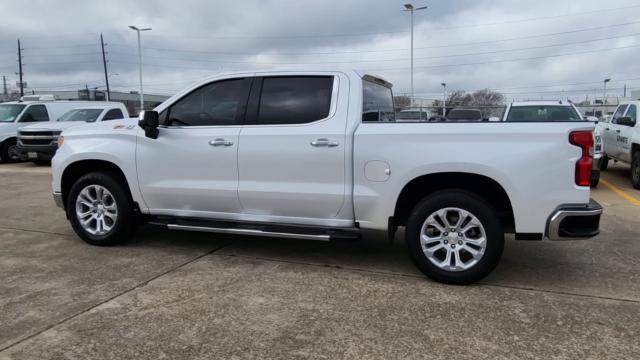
{"points": [[583, 139]]}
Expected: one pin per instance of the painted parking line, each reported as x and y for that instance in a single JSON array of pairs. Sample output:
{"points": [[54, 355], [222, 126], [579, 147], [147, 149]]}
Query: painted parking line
{"points": [[620, 192]]}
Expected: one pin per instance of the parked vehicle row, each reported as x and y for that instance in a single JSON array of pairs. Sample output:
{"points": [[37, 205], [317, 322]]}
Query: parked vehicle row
{"points": [[43, 111], [621, 139], [551, 112], [319, 155]]}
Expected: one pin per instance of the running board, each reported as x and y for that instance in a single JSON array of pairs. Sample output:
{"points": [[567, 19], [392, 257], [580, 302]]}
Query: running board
{"points": [[256, 232], [286, 231]]}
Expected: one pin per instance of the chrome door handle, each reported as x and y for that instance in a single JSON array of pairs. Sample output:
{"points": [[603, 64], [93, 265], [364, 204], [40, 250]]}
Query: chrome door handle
{"points": [[324, 143], [220, 142]]}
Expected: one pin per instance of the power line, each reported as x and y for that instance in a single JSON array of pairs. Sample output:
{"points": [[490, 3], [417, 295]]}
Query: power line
{"points": [[391, 50], [380, 60], [511, 60]]}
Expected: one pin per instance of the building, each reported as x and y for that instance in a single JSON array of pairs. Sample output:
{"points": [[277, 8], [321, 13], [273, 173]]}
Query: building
{"points": [[131, 99]]}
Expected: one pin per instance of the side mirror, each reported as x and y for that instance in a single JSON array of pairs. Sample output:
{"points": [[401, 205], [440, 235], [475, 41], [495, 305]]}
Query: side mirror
{"points": [[149, 123], [626, 121]]}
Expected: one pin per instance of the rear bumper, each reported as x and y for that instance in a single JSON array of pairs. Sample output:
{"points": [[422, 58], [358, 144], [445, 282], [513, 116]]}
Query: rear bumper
{"points": [[575, 222]]}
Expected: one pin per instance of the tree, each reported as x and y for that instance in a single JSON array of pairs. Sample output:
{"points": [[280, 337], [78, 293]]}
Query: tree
{"points": [[486, 100], [402, 101]]}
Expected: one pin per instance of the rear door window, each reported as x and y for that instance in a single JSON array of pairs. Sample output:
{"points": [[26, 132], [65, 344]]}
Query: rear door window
{"points": [[294, 99]]}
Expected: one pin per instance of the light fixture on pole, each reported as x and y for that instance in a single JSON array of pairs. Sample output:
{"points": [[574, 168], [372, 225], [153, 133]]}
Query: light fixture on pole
{"points": [[138, 30], [444, 99], [410, 8]]}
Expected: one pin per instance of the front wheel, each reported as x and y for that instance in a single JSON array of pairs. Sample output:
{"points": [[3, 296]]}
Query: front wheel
{"points": [[9, 151], [635, 170], [100, 209], [455, 237]]}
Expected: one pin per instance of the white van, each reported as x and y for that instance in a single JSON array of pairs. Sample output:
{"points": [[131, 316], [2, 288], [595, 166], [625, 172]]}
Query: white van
{"points": [[26, 111]]}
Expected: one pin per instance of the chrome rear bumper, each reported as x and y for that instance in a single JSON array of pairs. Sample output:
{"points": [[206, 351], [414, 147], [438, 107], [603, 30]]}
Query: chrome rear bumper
{"points": [[575, 222]]}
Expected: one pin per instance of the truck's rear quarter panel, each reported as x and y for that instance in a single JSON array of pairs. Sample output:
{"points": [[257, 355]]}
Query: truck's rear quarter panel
{"points": [[533, 162]]}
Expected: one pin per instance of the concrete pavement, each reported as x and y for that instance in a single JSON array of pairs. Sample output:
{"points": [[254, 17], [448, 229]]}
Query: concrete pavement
{"points": [[192, 295]]}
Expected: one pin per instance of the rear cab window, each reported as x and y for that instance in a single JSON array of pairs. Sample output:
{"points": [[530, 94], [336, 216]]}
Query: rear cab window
{"points": [[543, 113], [377, 101]]}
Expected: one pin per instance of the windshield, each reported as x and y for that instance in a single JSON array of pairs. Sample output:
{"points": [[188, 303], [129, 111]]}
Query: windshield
{"points": [[9, 112], [544, 113], [86, 115]]}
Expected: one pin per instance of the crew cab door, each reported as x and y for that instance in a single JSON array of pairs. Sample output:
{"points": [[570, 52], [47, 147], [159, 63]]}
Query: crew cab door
{"points": [[611, 130], [191, 169], [624, 136], [292, 147]]}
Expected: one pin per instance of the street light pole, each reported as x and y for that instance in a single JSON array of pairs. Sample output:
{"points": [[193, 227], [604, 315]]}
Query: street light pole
{"points": [[604, 96], [411, 9], [444, 99], [138, 30]]}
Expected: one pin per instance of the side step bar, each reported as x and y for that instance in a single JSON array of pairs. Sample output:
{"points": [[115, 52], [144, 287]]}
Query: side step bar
{"points": [[256, 232], [286, 231]]}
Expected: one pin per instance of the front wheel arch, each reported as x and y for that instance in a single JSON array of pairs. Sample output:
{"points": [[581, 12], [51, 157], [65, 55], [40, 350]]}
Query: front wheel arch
{"points": [[80, 168]]}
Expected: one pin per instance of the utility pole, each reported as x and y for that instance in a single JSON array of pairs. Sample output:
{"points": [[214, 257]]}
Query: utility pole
{"points": [[104, 63], [20, 68], [4, 85]]}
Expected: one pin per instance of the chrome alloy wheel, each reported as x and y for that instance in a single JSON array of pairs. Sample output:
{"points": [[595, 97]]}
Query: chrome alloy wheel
{"points": [[453, 239], [96, 210]]}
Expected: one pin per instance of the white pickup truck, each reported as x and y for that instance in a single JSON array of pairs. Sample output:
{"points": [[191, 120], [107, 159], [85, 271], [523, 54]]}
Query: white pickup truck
{"points": [[621, 139], [317, 155]]}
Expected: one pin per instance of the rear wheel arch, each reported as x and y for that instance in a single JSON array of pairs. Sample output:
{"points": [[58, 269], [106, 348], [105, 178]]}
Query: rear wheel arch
{"points": [[483, 186]]}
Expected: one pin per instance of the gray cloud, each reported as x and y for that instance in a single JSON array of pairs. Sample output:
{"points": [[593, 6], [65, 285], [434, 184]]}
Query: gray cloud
{"points": [[191, 39]]}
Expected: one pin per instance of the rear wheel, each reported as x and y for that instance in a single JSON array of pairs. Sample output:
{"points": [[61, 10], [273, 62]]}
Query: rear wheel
{"points": [[100, 209], [455, 237], [635, 170], [9, 151]]}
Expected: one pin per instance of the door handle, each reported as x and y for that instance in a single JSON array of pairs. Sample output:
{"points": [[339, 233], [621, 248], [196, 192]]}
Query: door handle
{"points": [[607, 129], [618, 131], [324, 143], [220, 142]]}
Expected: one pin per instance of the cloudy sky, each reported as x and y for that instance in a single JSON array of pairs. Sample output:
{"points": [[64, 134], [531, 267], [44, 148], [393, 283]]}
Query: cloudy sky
{"points": [[525, 49]]}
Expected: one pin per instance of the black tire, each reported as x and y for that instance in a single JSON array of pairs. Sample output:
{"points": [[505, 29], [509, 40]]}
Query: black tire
{"points": [[8, 152], [635, 170], [604, 163], [124, 226], [595, 182], [472, 203]]}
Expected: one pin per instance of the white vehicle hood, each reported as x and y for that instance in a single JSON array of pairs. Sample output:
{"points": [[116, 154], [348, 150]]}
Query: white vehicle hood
{"points": [[57, 125]]}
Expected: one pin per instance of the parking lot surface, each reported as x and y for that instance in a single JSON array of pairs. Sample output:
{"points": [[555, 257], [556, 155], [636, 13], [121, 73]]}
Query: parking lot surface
{"points": [[194, 295]]}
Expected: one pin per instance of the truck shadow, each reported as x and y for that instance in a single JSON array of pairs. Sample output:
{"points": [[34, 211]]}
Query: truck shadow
{"points": [[588, 268]]}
